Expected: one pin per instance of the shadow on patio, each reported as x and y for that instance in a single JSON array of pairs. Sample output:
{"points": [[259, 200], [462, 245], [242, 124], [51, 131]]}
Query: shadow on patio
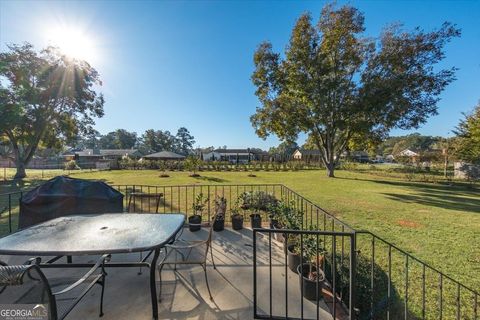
{"points": [[184, 292]]}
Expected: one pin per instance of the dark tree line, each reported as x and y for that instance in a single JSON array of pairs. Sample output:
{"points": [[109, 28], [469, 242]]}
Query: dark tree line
{"points": [[150, 141]]}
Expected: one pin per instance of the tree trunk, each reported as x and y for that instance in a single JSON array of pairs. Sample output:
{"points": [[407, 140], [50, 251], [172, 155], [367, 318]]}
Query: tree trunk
{"points": [[20, 174], [330, 170]]}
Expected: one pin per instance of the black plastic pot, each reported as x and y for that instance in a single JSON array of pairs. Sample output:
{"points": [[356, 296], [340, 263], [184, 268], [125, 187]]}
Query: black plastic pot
{"points": [[237, 222], [274, 223], [310, 289], [218, 224], [195, 219], [256, 220], [293, 259]]}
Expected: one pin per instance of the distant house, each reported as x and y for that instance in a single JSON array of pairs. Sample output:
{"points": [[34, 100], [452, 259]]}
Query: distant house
{"points": [[89, 158], [359, 156], [164, 155], [236, 155], [211, 156], [307, 155], [412, 155], [315, 156], [389, 158], [409, 153]]}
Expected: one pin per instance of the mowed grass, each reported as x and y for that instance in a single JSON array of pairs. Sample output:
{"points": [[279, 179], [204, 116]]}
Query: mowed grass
{"points": [[437, 223]]}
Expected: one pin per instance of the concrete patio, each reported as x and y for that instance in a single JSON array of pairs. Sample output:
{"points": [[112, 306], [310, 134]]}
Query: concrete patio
{"points": [[184, 292]]}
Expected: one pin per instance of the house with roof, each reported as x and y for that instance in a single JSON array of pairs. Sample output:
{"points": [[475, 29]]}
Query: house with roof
{"points": [[90, 158], [164, 155], [236, 155], [409, 153], [307, 155]]}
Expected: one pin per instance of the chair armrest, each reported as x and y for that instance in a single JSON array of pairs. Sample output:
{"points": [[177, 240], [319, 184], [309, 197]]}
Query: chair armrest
{"points": [[35, 260], [100, 263]]}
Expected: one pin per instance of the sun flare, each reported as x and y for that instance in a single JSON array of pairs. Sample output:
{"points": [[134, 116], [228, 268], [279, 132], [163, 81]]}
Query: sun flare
{"points": [[73, 42]]}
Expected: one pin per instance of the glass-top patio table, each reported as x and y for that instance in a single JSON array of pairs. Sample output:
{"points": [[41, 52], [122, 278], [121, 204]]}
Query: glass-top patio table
{"points": [[98, 234]]}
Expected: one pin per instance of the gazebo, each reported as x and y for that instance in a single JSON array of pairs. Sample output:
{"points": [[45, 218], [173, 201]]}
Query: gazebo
{"points": [[164, 155]]}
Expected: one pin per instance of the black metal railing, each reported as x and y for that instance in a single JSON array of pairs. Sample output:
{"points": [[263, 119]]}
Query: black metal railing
{"points": [[390, 282], [401, 286], [181, 198], [280, 273]]}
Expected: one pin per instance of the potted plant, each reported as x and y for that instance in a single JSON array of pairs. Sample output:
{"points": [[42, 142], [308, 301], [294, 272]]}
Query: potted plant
{"points": [[220, 209], [237, 218], [198, 206], [255, 205], [257, 201], [275, 212], [310, 273], [291, 219], [246, 200]]}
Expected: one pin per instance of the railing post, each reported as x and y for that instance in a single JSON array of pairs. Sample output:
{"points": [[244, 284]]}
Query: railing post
{"points": [[353, 267], [254, 273], [10, 212]]}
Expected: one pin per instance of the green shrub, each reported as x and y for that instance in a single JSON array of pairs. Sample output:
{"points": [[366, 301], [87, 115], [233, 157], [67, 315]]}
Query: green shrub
{"points": [[71, 165], [257, 200]]}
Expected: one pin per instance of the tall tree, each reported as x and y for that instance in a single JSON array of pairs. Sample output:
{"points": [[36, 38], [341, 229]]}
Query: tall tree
{"points": [[335, 83], [467, 146], [157, 140], [44, 97], [184, 141], [123, 139]]}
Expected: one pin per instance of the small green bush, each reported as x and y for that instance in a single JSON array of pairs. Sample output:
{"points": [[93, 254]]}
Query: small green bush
{"points": [[71, 165]]}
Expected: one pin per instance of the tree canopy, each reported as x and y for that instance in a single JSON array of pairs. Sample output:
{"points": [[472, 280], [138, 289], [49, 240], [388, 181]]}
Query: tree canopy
{"points": [[334, 83], [118, 139], [46, 98], [467, 145]]}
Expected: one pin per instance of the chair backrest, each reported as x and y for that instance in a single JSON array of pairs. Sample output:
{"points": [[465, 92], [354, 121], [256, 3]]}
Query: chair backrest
{"points": [[141, 202], [210, 233], [27, 285]]}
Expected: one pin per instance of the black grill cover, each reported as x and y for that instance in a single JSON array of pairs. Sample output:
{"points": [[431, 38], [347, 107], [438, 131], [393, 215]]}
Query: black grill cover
{"points": [[62, 196]]}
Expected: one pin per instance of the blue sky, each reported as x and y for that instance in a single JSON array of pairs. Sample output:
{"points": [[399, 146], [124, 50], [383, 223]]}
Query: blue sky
{"points": [[171, 64]]}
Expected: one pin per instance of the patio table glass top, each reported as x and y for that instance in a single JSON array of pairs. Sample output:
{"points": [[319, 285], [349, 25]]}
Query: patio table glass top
{"points": [[94, 234]]}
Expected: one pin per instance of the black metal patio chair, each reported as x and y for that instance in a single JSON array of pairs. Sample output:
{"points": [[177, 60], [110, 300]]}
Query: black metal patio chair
{"points": [[136, 205], [57, 297], [189, 252], [138, 198]]}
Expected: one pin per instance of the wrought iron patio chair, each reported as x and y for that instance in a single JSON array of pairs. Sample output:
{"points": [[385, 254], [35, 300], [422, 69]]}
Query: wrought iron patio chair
{"points": [[191, 252], [141, 196], [132, 207], [27, 284]]}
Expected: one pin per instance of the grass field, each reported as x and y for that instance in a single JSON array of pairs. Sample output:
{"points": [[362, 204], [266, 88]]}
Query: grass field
{"points": [[438, 223]]}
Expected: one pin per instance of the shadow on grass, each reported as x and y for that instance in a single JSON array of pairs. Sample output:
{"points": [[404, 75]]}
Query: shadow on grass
{"points": [[211, 179], [455, 196], [374, 304]]}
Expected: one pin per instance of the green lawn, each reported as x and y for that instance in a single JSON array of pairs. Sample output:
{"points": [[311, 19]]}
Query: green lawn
{"points": [[438, 223]]}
